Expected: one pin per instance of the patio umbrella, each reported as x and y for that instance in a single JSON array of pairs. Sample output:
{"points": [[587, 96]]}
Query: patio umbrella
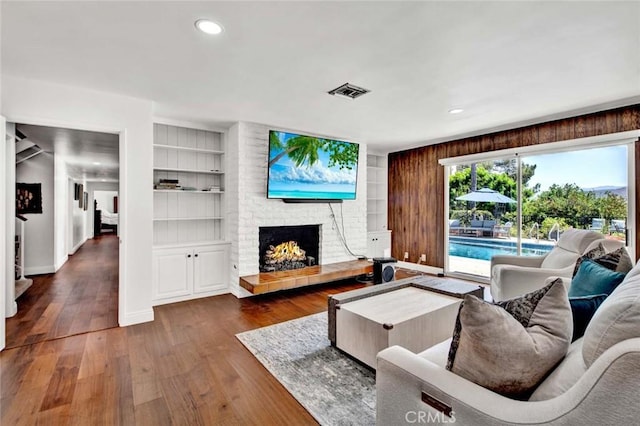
{"points": [[486, 195]]}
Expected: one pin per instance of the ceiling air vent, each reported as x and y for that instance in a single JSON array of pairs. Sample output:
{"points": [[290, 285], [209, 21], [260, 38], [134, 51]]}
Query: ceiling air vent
{"points": [[349, 91]]}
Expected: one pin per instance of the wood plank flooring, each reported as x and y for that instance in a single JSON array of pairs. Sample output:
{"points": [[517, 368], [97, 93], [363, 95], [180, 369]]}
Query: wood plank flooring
{"points": [[82, 296], [185, 368]]}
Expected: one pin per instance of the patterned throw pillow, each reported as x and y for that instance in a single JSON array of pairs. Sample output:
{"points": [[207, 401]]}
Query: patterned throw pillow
{"points": [[618, 260], [591, 254], [510, 347]]}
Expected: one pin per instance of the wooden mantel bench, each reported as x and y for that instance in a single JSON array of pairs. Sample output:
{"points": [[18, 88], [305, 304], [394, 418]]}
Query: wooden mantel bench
{"points": [[266, 282]]}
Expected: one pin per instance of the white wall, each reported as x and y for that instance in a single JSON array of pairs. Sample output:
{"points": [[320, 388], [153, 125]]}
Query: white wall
{"points": [[91, 188], [61, 220], [37, 102], [77, 219], [39, 245], [9, 230], [249, 207], [105, 199], [3, 226]]}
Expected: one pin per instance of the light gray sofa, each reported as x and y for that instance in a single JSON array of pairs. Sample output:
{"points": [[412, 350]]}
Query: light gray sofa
{"points": [[513, 276], [597, 383]]}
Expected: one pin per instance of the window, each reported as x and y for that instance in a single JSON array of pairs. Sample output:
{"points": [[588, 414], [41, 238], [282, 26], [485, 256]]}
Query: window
{"points": [[519, 201]]}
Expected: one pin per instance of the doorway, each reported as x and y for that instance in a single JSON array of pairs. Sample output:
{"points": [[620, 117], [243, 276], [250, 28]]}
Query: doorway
{"points": [[74, 273]]}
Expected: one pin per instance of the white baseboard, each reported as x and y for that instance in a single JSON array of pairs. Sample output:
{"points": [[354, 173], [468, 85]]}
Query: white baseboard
{"points": [[37, 270], [12, 309], [240, 292], [77, 247], [138, 317], [61, 262]]}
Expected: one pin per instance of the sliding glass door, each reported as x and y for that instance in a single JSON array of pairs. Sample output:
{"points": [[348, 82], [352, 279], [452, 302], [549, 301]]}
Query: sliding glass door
{"points": [[520, 204], [482, 213]]}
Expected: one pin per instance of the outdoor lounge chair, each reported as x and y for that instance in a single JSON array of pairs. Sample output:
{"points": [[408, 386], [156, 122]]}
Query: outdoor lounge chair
{"points": [[502, 231], [618, 225], [597, 224]]}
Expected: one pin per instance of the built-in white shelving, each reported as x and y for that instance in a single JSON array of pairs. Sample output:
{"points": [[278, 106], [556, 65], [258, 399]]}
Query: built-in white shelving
{"points": [[378, 236], [174, 169], [195, 158], [191, 254], [376, 192], [180, 191]]}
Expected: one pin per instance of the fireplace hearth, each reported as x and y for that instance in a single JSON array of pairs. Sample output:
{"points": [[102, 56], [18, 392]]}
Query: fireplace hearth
{"points": [[283, 248]]}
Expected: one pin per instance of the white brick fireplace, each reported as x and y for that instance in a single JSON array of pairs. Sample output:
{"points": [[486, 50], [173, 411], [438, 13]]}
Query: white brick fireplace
{"points": [[248, 207]]}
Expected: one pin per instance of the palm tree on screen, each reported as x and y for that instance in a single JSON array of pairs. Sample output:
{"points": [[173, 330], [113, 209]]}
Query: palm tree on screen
{"points": [[304, 150]]}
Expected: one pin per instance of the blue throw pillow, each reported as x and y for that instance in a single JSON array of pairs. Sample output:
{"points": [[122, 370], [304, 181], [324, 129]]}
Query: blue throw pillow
{"points": [[582, 310], [593, 278]]}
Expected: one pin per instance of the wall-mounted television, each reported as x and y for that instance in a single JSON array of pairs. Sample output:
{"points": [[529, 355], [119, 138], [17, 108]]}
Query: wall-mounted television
{"points": [[311, 169]]}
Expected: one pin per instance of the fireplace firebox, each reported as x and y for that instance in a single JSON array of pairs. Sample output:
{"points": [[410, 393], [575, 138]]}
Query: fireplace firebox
{"points": [[284, 248]]}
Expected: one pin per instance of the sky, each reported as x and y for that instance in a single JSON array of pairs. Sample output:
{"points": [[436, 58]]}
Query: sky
{"points": [[286, 171], [587, 168]]}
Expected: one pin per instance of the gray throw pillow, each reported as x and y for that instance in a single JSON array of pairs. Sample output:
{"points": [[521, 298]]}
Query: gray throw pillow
{"points": [[617, 260], [591, 254], [510, 347]]}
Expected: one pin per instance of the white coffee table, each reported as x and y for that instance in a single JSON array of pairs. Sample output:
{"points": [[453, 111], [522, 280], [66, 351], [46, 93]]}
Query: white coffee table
{"points": [[410, 317]]}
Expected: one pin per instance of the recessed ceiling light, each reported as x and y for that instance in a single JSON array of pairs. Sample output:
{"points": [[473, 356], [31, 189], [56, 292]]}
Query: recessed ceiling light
{"points": [[208, 27], [96, 163], [456, 111]]}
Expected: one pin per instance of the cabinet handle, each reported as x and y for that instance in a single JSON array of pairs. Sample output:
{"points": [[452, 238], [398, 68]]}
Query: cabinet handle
{"points": [[188, 255], [196, 255]]}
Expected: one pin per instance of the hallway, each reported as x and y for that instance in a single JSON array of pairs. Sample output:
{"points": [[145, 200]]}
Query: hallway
{"points": [[81, 297]]}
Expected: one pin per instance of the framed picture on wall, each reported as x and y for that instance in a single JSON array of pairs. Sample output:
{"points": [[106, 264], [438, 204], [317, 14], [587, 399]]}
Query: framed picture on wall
{"points": [[85, 201], [76, 191], [80, 196], [28, 198]]}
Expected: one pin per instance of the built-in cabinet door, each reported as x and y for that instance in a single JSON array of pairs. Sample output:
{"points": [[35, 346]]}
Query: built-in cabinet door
{"points": [[377, 243], [172, 272], [210, 268]]}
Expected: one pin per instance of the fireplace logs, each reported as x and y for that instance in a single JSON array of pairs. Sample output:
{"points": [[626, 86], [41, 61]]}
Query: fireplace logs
{"points": [[282, 248], [285, 256]]}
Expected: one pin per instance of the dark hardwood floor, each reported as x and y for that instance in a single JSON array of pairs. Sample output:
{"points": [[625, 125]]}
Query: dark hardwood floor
{"points": [[184, 368], [81, 297]]}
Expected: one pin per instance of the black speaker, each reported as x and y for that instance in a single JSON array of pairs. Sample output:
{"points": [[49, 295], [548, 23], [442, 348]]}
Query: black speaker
{"points": [[383, 269]]}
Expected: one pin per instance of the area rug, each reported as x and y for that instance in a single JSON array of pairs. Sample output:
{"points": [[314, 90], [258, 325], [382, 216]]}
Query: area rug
{"points": [[335, 389]]}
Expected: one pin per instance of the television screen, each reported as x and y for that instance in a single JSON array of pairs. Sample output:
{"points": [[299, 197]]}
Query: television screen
{"points": [[311, 168]]}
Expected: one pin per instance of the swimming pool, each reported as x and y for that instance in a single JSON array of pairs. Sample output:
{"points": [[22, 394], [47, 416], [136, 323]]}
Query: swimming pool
{"points": [[484, 249]]}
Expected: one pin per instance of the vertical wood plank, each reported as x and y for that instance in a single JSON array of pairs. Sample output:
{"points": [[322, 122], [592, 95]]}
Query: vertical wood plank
{"points": [[567, 129], [416, 186], [546, 133], [629, 119]]}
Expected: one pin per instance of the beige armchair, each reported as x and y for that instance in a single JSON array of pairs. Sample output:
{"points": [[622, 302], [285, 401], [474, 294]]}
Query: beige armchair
{"points": [[513, 276], [596, 383]]}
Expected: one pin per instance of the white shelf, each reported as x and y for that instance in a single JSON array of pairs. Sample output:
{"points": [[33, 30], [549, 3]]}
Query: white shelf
{"points": [[192, 244], [196, 158], [183, 148], [180, 191], [165, 219], [376, 192], [172, 169]]}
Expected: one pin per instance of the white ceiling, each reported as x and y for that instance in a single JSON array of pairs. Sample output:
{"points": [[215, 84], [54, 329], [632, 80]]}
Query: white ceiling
{"points": [[92, 156], [503, 62]]}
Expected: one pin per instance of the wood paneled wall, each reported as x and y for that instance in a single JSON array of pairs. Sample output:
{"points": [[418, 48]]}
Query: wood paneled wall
{"points": [[416, 180]]}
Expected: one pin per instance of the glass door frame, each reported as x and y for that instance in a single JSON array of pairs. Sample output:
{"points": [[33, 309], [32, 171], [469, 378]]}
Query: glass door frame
{"points": [[623, 138]]}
